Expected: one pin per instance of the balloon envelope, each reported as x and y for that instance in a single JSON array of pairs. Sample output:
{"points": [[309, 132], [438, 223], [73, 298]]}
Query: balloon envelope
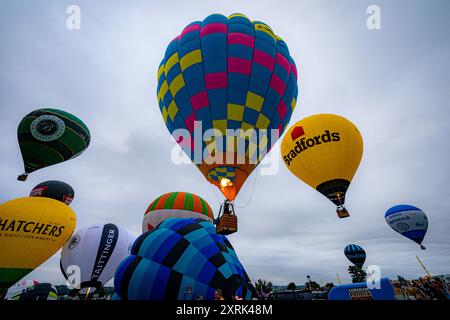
{"points": [[40, 291], [324, 151], [227, 73], [97, 250], [355, 254], [32, 229], [410, 221], [50, 136], [16, 290], [181, 259], [176, 205], [54, 189]]}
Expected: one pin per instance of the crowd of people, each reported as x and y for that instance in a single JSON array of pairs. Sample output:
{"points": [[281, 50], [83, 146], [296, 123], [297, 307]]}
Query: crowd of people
{"points": [[425, 288], [218, 296], [422, 289]]}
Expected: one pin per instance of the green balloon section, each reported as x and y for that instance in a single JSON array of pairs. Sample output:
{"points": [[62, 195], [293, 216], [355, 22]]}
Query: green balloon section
{"points": [[50, 136]]}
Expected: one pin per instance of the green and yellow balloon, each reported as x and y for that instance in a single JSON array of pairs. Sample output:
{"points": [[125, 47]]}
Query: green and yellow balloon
{"points": [[50, 136]]}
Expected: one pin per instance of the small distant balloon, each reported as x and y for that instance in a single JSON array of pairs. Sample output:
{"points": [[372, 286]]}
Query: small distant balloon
{"points": [[355, 254], [410, 221], [50, 136]]}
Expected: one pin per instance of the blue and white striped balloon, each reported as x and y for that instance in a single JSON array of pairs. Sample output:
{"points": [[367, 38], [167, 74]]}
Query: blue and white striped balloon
{"points": [[409, 221]]}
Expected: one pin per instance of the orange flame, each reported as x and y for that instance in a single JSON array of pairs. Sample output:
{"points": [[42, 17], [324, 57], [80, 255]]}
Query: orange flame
{"points": [[224, 183]]}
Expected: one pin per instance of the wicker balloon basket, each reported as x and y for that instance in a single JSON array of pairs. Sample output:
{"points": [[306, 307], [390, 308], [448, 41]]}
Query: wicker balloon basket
{"points": [[342, 212], [227, 224]]}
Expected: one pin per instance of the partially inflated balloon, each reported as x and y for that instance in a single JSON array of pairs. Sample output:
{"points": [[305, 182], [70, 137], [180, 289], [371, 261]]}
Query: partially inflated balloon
{"points": [[324, 151], [181, 259], [16, 290], [227, 73], [176, 205], [355, 254], [40, 291], [54, 189], [409, 221], [50, 136], [32, 229], [97, 250]]}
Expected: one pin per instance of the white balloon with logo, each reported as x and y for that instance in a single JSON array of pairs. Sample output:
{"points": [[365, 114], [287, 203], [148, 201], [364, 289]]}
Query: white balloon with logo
{"points": [[92, 255]]}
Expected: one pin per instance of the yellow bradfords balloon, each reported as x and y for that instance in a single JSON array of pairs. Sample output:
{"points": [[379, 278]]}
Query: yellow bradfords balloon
{"points": [[32, 229], [324, 151]]}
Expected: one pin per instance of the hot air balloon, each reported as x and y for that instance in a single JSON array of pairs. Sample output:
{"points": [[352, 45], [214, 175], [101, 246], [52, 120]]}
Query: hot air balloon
{"points": [[181, 259], [226, 90], [40, 291], [32, 229], [97, 250], [355, 254], [324, 151], [50, 136], [54, 189], [409, 221], [16, 290], [176, 205]]}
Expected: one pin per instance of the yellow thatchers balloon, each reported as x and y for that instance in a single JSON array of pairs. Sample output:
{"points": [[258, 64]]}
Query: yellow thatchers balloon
{"points": [[31, 230], [324, 151]]}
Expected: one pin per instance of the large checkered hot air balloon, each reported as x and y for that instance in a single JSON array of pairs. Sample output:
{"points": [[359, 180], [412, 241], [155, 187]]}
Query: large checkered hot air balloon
{"points": [[181, 259], [221, 75]]}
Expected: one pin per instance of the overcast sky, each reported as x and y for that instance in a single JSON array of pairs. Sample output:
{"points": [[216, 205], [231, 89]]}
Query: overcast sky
{"points": [[392, 83]]}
